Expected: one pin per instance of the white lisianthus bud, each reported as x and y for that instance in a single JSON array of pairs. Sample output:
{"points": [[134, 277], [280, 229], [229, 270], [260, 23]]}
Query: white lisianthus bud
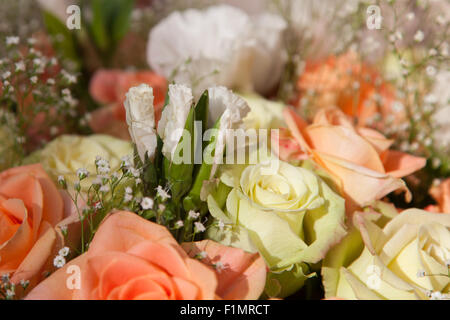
{"points": [[141, 119], [173, 118], [222, 99], [231, 109]]}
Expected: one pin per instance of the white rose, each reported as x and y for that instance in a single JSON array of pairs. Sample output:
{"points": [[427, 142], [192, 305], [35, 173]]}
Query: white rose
{"points": [[141, 119], [173, 118], [221, 45]]}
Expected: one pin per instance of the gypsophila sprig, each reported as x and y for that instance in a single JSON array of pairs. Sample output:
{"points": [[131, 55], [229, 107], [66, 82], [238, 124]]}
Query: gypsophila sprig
{"points": [[36, 94], [10, 290], [108, 191]]}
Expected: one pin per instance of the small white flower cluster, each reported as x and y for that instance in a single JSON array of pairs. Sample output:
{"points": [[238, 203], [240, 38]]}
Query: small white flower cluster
{"points": [[193, 215], [82, 173], [102, 165], [128, 196], [147, 203], [70, 78], [162, 193], [179, 224], [60, 259], [12, 41], [419, 36], [126, 162], [199, 227], [20, 66], [128, 168], [219, 266], [7, 288], [68, 98], [201, 255], [62, 182], [104, 188], [63, 230]]}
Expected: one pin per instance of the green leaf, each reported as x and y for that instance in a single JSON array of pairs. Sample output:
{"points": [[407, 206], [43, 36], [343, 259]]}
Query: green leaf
{"points": [[110, 23], [193, 201], [179, 176], [66, 45], [121, 20], [99, 24], [152, 174], [202, 109]]}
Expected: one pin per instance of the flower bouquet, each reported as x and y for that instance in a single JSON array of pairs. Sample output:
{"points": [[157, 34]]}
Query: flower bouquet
{"points": [[209, 150]]}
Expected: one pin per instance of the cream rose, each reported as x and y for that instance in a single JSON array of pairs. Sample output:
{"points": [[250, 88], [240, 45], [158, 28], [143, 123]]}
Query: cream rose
{"points": [[264, 114], [406, 259], [68, 153], [288, 214]]}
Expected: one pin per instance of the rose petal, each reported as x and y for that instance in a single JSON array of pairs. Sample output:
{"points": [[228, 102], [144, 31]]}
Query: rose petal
{"points": [[244, 275]]}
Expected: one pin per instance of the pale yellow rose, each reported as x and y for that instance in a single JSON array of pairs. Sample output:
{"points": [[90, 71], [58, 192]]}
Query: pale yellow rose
{"points": [[66, 154], [288, 214], [408, 258]]}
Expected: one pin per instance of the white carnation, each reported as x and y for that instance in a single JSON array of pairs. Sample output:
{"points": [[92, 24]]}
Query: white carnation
{"points": [[141, 119], [173, 118], [221, 45]]}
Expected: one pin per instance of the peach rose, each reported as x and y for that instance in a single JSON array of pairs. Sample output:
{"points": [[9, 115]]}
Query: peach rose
{"points": [[349, 84], [441, 194], [358, 159], [132, 258], [30, 207], [109, 87]]}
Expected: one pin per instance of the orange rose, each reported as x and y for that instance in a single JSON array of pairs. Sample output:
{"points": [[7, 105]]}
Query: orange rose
{"points": [[347, 83], [357, 158], [441, 194], [30, 207], [110, 87], [132, 258]]}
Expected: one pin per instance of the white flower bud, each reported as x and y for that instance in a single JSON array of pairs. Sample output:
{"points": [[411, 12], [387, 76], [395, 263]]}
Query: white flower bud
{"points": [[173, 118], [231, 109], [141, 119]]}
